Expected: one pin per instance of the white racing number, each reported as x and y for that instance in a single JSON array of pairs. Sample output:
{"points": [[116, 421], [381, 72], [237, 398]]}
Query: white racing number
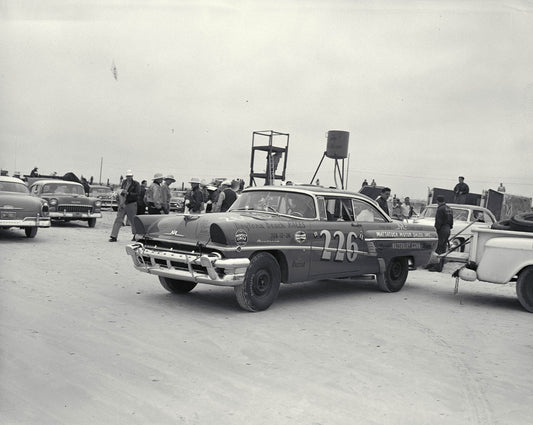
{"points": [[351, 249]]}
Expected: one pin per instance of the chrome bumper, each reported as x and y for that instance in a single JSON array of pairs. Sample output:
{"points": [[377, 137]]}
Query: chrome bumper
{"points": [[26, 222], [74, 215], [208, 268]]}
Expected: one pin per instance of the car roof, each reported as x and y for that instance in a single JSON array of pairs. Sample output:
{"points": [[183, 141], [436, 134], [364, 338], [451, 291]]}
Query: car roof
{"points": [[464, 206], [58, 181], [11, 179]]}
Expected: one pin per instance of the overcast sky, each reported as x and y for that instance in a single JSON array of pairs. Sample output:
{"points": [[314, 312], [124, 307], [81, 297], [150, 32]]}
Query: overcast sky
{"points": [[428, 90]]}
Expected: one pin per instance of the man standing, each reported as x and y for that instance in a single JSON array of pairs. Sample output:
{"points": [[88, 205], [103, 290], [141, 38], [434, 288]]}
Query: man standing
{"points": [[443, 224], [407, 208], [153, 196], [461, 189], [165, 192], [195, 197], [127, 205], [227, 196], [141, 206], [382, 199]]}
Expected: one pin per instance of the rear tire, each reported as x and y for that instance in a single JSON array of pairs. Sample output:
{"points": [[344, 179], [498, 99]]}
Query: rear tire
{"points": [[30, 231], [261, 283], [176, 286], [524, 288], [395, 275]]}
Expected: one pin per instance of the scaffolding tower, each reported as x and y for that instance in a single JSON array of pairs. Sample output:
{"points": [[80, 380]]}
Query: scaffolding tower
{"points": [[276, 153]]}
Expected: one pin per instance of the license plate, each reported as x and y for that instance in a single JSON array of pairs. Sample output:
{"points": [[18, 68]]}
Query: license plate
{"points": [[8, 214]]}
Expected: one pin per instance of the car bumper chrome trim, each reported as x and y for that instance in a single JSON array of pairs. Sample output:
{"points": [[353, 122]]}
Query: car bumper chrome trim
{"points": [[205, 268], [74, 215], [27, 222]]}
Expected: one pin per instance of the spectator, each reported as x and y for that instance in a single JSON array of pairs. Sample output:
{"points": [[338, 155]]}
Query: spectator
{"points": [[407, 208], [227, 196], [501, 188], [382, 199], [212, 197], [153, 197], [373, 183], [365, 183], [165, 193], [194, 199], [34, 172], [443, 224], [460, 190], [127, 205], [141, 205]]}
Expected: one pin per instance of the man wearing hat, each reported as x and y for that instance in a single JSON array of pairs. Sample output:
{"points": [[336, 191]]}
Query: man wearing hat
{"points": [[227, 196], [165, 193], [153, 196], [127, 205], [195, 198]]}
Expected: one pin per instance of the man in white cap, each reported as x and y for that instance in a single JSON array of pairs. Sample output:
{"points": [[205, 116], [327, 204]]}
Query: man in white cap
{"points": [[195, 197], [227, 196], [153, 196], [165, 193], [129, 192]]}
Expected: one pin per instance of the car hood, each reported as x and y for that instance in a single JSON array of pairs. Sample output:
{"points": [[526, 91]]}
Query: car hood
{"points": [[195, 228], [71, 199], [20, 201]]}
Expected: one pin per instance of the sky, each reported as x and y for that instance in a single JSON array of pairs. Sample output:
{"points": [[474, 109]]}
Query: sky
{"points": [[427, 90]]}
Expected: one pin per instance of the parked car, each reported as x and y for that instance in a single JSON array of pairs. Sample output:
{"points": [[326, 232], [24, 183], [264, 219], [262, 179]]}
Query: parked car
{"points": [[465, 218], [177, 200], [19, 209], [67, 200], [276, 234], [107, 196]]}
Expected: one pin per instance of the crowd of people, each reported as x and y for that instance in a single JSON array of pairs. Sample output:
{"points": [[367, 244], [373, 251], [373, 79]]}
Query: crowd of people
{"points": [[138, 198]]}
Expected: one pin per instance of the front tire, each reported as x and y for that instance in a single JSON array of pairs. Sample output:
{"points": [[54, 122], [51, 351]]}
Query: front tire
{"points": [[176, 286], [524, 288], [395, 275], [261, 283], [30, 231], [91, 222]]}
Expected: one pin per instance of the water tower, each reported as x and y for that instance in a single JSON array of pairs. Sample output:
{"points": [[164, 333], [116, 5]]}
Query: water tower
{"points": [[337, 149]]}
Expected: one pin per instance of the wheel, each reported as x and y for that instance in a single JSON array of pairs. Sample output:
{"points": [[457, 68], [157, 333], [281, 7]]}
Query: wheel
{"points": [[522, 222], [30, 231], [395, 275], [91, 222], [176, 286], [456, 242], [524, 288], [261, 283]]}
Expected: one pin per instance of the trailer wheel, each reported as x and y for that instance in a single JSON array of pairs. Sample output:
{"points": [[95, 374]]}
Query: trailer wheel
{"points": [[524, 288], [522, 222]]}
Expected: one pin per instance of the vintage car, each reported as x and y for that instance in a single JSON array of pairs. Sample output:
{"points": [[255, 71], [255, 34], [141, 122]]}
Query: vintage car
{"points": [[277, 234], [465, 218], [177, 200], [67, 200], [107, 196], [19, 209]]}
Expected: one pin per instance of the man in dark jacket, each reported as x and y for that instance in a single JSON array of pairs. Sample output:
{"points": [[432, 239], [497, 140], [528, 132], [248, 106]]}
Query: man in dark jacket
{"points": [[227, 196], [443, 224], [382, 199], [127, 205], [460, 190]]}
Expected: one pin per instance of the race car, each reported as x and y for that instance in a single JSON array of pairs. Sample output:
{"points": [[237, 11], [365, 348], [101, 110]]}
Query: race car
{"points": [[280, 234]]}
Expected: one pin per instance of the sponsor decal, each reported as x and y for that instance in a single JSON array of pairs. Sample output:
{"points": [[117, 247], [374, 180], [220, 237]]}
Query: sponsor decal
{"points": [[300, 236], [241, 237], [406, 245]]}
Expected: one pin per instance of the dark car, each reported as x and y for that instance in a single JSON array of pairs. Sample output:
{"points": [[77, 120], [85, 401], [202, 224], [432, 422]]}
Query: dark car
{"points": [[276, 234], [67, 200], [19, 209]]}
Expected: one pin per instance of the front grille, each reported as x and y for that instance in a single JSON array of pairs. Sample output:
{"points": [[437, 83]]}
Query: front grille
{"points": [[75, 208]]}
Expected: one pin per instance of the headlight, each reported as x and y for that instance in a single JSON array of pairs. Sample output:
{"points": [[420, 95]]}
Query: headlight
{"points": [[98, 204], [44, 210], [53, 201]]}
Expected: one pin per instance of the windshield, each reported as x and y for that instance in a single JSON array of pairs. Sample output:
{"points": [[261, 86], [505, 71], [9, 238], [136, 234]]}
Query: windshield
{"points": [[13, 187], [63, 189], [459, 214], [289, 203]]}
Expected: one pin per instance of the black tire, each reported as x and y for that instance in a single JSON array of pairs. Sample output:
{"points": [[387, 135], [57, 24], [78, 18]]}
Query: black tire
{"points": [[176, 286], [30, 231], [524, 288], [395, 275], [261, 283], [91, 222], [522, 222]]}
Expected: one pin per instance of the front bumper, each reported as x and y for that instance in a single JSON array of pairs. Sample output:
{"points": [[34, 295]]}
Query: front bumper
{"points": [[26, 222], [74, 215], [191, 267]]}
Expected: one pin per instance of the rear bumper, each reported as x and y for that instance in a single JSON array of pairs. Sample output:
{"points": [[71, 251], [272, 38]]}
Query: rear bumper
{"points": [[190, 267], [26, 222]]}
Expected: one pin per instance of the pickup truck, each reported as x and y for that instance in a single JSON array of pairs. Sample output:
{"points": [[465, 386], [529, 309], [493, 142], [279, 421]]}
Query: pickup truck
{"points": [[501, 256]]}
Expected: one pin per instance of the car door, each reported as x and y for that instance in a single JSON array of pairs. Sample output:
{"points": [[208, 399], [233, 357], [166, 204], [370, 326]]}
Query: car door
{"points": [[338, 248]]}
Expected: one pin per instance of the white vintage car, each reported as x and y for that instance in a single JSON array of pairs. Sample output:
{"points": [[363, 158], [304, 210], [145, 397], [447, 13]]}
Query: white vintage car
{"points": [[465, 219], [502, 256]]}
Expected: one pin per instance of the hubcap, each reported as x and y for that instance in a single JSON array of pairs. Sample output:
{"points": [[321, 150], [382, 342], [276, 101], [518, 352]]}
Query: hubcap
{"points": [[262, 283]]}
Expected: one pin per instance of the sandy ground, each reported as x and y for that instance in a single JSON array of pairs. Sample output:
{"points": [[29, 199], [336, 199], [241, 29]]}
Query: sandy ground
{"points": [[86, 339]]}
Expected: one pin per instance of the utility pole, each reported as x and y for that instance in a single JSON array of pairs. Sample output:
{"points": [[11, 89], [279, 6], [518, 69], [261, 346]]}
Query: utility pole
{"points": [[101, 162]]}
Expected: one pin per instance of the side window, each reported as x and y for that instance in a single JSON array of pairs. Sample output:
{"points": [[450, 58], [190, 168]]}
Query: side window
{"points": [[366, 212], [339, 209], [322, 208]]}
